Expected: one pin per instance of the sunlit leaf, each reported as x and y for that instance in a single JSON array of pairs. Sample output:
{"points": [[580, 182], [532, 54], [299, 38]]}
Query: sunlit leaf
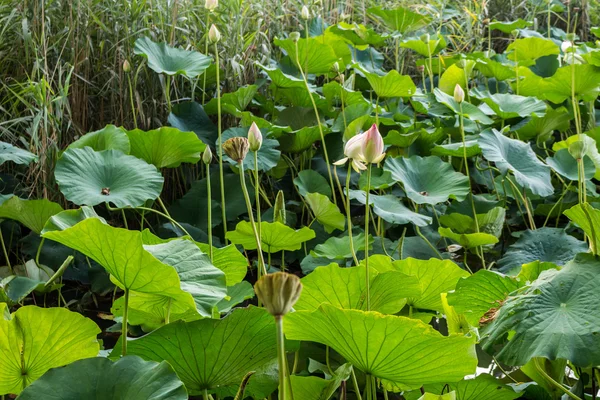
{"points": [[164, 59]]}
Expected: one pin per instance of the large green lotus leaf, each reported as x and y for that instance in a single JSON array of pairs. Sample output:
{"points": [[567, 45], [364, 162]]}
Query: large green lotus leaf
{"points": [[229, 260], [403, 352], [345, 288], [509, 26], [129, 378], [542, 127], [327, 213], [315, 388], [468, 240], [190, 116], [310, 181], [88, 177], [233, 102], [559, 87], [236, 294], [588, 219], [467, 110], [399, 19], [267, 155], [435, 277], [36, 339], [121, 253], [165, 146], [526, 50], [69, 218], [8, 152], [274, 236], [109, 137], [334, 93], [457, 149], [208, 353], [511, 155], [164, 59], [357, 34], [198, 276], [31, 213], [301, 139], [555, 317], [494, 69], [314, 54], [544, 244], [391, 209], [482, 387], [391, 84], [454, 75], [566, 165], [432, 47], [337, 248], [507, 106], [282, 80], [428, 180], [477, 294]]}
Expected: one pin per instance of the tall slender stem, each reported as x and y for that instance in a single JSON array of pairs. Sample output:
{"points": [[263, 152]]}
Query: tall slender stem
{"points": [[5, 252], [124, 324], [367, 209], [209, 227], [221, 181], [205, 52], [257, 192], [281, 358], [261, 261], [348, 216], [39, 251]]}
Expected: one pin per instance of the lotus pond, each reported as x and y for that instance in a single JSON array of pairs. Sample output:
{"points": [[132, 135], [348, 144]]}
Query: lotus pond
{"points": [[383, 212]]}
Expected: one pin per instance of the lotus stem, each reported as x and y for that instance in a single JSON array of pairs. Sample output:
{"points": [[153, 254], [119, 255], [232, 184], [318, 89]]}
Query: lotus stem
{"points": [[124, 324], [257, 192], [59, 271], [348, 216], [281, 358], [39, 251], [6, 252], [219, 128], [367, 209], [209, 217], [261, 261]]}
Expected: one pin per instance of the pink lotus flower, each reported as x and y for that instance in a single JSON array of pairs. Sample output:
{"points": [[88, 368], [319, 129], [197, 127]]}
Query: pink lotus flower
{"points": [[372, 146], [353, 150], [255, 138]]}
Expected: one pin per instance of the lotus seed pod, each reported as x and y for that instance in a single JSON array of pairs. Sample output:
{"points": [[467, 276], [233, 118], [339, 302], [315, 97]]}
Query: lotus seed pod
{"points": [[459, 94], [211, 5], [213, 34], [279, 208], [255, 138], [278, 292], [295, 36], [126, 67], [305, 13], [207, 155], [236, 148]]}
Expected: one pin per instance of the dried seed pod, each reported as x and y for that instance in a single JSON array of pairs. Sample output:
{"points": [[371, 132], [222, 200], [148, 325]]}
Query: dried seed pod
{"points": [[278, 292], [236, 148]]}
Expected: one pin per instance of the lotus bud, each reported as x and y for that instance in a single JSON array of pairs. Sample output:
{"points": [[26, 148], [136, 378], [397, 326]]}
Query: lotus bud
{"points": [[305, 13], [570, 37], [236, 148], [459, 94], [353, 147], [126, 67], [255, 138], [295, 36], [578, 149], [278, 292], [566, 46], [425, 38], [207, 155], [515, 33], [213, 34], [372, 146], [279, 208], [211, 5], [421, 68], [335, 67]]}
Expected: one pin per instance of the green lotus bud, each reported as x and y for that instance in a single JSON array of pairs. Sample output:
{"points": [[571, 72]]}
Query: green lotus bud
{"points": [[211, 5], [207, 155], [305, 13], [213, 34], [335, 67], [570, 37], [295, 36], [278, 292], [459, 94], [515, 33], [255, 138], [425, 38], [126, 67], [279, 209], [578, 149], [236, 148], [461, 63]]}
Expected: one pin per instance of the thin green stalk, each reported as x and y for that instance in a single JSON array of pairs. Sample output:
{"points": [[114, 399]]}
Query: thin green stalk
{"points": [[209, 211], [261, 261], [59, 271], [552, 382], [205, 52], [316, 110], [348, 216], [257, 192], [124, 219], [132, 102], [205, 395], [168, 316], [39, 251], [367, 209], [219, 128], [6, 252], [355, 384], [281, 357], [418, 230], [124, 324], [525, 203]]}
